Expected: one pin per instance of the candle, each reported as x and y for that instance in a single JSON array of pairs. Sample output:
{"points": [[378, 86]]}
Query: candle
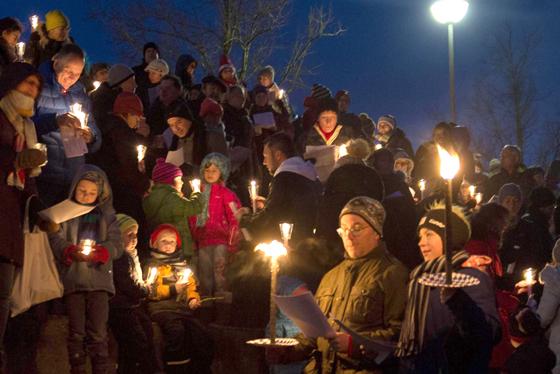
{"points": [[478, 198], [34, 20], [141, 150], [253, 194], [286, 232], [152, 275], [378, 146], [422, 187], [87, 246], [96, 85], [472, 191], [195, 185], [273, 250], [76, 110], [529, 277], [281, 94], [449, 166], [20, 50]]}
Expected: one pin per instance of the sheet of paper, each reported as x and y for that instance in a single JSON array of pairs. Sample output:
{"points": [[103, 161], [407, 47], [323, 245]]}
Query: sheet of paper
{"points": [[325, 159], [74, 145], [176, 158], [305, 313], [264, 120], [380, 348], [65, 211]]}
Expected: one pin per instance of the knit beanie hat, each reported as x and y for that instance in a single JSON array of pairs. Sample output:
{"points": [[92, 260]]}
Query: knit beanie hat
{"points": [[541, 197], [165, 172], [14, 74], [400, 154], [159, 66], [181, 110], [125, 222], [220, 161], [369, 209], [55, 18], [319, 92], [268, 71], [389, 120], [119, 73], [210, 106], [128, 103], [225, 62], [460, 227], [509, 189], [327, 105], [341, 93], [162, 228]]}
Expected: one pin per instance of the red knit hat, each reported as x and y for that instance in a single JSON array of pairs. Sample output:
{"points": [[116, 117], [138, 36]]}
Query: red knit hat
{"points": [[210, 106], [128, 103], [160, 229], [165, 172], [225, 62]]}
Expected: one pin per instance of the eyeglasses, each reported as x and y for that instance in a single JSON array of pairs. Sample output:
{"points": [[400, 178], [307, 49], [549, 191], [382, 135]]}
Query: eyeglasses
{"points": [[354, 230]]}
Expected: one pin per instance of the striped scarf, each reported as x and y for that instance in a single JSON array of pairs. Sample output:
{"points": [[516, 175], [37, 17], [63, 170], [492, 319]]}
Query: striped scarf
{"points": [[414, 323]]}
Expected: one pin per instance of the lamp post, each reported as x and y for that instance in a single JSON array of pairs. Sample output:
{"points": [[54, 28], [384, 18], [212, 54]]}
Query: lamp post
{"points": [[450, 12]]}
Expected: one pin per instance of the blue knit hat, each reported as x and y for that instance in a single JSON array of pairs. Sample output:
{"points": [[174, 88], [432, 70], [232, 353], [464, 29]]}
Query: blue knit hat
{"points": [[222, 162]]}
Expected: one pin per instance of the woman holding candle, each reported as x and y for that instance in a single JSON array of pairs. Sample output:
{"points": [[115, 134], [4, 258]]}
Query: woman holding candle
{"points": [[10, 31], [173, 296], [216, 229], [447, 330], [88, 279]]}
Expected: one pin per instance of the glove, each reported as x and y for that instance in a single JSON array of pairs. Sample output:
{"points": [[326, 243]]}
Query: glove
{"points": [[73, 253], [30, 158], [100, 255]]}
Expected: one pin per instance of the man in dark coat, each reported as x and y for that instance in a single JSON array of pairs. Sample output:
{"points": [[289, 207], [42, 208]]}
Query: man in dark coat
{"points": [[170, 95], [294, 192], [511, 171]]}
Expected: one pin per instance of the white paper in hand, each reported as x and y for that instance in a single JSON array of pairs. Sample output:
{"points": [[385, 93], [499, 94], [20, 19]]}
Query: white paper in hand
{"points": [[74, 145], [305, 313], [264, 120], [176, 158], [64, 211]]}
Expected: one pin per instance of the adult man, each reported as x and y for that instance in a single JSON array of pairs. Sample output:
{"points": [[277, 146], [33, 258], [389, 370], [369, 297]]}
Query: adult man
{"points": [[170, 95], [367, 292], [391, 137], [512, 171], [294, 192], [62, 89]]}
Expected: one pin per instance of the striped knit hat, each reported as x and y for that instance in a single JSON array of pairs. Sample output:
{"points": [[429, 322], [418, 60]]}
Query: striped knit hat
{"points": [[165, 172], [318, 91]]}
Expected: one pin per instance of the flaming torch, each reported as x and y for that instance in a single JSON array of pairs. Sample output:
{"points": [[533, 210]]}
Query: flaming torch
{"points": [[273, 250]]}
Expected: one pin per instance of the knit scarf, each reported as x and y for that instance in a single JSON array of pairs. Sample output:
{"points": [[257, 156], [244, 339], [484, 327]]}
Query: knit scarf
{"points": [[414, 323], [203, 216], [175, 259]]}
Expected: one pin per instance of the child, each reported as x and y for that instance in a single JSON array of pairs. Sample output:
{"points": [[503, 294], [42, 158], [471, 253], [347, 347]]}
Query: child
{"points": [[166, 203], [129, 322], [173, 293], [87, 278], [215, 229], [211, 113]]}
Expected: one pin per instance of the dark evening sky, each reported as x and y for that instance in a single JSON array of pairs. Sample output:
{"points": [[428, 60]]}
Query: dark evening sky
{"points": [[393, 58]]}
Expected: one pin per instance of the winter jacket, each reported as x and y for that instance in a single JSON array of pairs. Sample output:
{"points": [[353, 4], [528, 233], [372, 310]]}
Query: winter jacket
{"points": [[398, 140], [53, 102], [460, 333], [496, 181], [368, 295], [88, 276], [181, 66], [342, 134], [7, 55], [294, 197], [164, 297], [129, 286], [41, 48], [165, 205], [548, 309], [156, 116], [221, 225], [102, 100], [533, 356], [200, 144]]}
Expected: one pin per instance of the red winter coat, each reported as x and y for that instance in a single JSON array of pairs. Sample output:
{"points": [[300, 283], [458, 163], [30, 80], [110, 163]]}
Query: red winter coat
{"points": [[221, 225]]}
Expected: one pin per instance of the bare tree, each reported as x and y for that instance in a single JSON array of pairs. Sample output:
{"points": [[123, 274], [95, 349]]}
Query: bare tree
{"points": [[549, 147], [503, 106], [249, 29]]}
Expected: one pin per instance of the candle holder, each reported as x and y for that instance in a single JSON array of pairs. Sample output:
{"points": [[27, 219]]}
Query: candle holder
{"points": [[422, 188], [529, 278], [286, 230], [195, 185]]}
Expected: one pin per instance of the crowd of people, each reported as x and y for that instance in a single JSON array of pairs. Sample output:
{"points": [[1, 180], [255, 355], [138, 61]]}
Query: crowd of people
{"points": [[164, 166]]}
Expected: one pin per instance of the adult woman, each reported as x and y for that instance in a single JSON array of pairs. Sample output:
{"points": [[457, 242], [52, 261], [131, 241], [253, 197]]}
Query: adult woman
{"points": [[447, 330]]}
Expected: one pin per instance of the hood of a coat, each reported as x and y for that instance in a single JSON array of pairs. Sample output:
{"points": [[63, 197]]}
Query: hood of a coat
{"points": [[550, 276], [182, 63], [98, 176], [220, 161], [299, 166]]}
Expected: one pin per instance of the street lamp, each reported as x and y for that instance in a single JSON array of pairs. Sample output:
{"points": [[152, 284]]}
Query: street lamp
{"points": [[450, 12]]}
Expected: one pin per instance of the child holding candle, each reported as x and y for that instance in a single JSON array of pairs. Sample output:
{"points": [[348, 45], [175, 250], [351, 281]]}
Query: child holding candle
{"points": [[88, 279], [172, 297], [215, 230]]}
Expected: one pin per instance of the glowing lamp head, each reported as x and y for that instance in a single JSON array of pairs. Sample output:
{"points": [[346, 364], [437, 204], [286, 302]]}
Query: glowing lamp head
{"points": [[449, 164], [273, 249], [449, 11]]}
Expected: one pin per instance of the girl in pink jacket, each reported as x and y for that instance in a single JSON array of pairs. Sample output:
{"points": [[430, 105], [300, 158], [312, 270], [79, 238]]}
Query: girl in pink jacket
{"points": [[215, 230]]}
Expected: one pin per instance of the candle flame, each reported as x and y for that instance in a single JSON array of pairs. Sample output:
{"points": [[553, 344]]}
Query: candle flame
{"points": [[253, 189], [422, 184], [281, 94], [20, 48], [76, 110], [529, 275], [141, 149], [96, 85], [273, 249], [152, 275], [472, 191], [342, 151], [195, 184], [478, 197], [34, 21], [286, 230], [449, 164], [87, 246]]}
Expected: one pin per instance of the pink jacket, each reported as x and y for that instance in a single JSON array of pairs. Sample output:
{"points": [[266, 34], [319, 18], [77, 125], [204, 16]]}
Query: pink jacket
{"points": [[221, 226]]}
